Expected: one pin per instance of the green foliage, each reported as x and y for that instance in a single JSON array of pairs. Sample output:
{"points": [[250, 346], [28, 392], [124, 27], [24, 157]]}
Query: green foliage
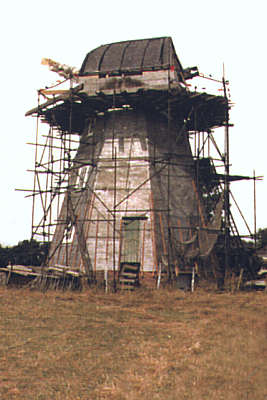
{"points": [[262, 238], [240, 257], [27, 252]]}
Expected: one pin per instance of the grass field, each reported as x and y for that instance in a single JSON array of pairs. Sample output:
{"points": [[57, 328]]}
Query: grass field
{"points": [[149, 344]]}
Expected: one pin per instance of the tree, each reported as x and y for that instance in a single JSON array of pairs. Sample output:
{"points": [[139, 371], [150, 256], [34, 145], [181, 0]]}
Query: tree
{"points": [[262, 238], [27, 252]]}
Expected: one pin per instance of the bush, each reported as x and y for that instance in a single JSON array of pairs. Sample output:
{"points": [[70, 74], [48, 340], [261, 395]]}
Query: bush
{"points": [[27, 252]]}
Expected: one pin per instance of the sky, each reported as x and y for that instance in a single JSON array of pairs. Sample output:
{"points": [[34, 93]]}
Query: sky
{"points": [[205, 33]]}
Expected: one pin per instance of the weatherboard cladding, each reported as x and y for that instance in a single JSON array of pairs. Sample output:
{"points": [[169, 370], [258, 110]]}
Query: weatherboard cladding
{"points": [[131, 56], [139, 138]]}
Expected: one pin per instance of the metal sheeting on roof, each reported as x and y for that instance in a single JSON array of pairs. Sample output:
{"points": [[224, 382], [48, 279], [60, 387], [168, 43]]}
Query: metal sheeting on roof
{"points": [[131, 56]]}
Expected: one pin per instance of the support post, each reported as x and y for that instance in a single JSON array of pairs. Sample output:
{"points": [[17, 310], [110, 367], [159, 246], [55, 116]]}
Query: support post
{"points": [[255, 214], [226, 193]]}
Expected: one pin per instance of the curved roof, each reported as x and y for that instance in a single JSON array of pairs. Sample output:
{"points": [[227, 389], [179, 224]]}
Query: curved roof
{"points": [[131, 56]]}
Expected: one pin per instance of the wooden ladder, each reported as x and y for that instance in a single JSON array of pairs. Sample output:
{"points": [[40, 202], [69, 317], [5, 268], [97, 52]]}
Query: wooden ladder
{"points": [[129, 275]]}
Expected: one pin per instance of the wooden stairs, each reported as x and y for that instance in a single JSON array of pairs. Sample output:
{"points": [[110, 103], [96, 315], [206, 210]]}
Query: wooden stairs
{"points": [[129, 275]]}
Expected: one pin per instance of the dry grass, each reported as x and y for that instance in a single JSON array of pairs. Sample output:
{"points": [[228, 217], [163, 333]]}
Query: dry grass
{"points": [[143, 345]]}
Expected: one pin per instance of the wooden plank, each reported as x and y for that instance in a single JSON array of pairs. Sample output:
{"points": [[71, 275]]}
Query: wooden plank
{"points": [[54, 91], [81, 241], [129, 275], [50, 102]]}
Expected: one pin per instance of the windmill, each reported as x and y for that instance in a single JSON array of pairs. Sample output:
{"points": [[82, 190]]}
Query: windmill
{"points": [[130, 195]]}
